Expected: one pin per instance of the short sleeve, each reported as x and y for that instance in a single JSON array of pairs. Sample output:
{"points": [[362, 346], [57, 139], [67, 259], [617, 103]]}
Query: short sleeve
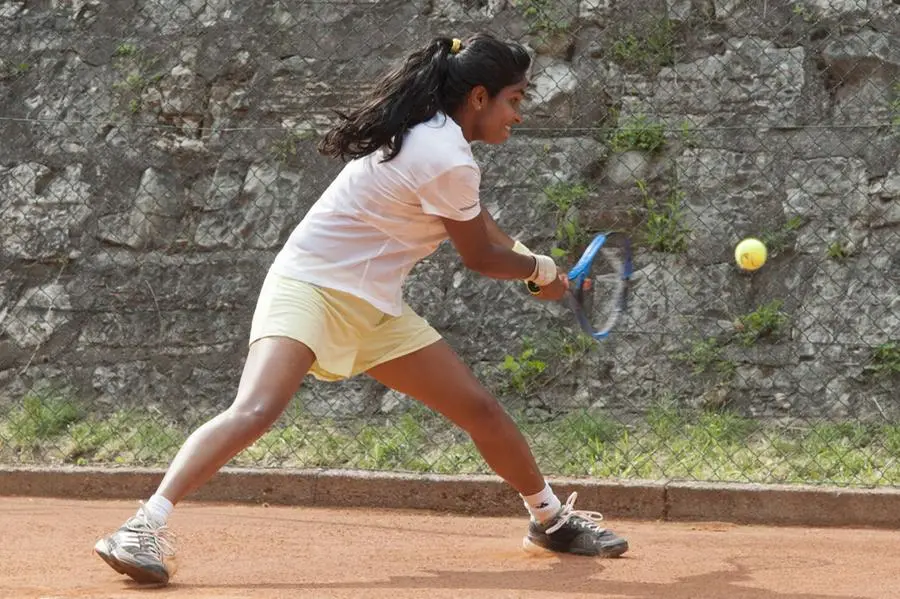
{"points": [[453, 194]]}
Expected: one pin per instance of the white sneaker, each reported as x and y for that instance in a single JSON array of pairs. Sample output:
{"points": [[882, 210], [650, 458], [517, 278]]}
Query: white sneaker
{"points": [[141, 548]]}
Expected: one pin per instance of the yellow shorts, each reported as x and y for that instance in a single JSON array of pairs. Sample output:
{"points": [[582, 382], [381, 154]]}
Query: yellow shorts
{"points": [[348, 334]]}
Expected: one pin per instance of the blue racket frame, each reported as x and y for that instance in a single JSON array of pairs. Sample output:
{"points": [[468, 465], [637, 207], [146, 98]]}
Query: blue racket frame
{"points": [[580, 273]]}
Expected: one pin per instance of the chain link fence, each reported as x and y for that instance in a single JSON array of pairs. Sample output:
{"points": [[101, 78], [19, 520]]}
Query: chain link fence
{"points": [[157, 153]]}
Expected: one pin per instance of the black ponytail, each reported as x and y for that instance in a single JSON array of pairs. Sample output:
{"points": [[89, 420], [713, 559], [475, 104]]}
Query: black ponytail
{"points": [[431, 79]]}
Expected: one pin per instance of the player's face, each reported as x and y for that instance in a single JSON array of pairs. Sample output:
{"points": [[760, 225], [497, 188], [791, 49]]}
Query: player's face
{"points": [[498, 115]]}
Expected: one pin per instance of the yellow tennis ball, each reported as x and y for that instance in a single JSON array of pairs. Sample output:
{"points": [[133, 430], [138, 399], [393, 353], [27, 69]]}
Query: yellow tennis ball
{"points": [[750, 254]]}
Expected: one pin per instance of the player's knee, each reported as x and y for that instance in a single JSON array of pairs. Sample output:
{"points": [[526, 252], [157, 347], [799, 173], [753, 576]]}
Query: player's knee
{"points": [[256, 416], [486, 415]]}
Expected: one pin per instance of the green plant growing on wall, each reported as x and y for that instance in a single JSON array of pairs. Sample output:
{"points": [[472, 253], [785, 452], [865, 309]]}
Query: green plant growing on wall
{"points": [[564, 198], [544, 16], [837, 250], [647, 46], [638, 132], [895, 109], [804, 12], [137, 71], [705, 356], [565, 195], [777, 240], [574, 347], [526, 371], [687, 134], [13, 69], [766, 321], [885, 360], [126, 49], [569, 233], [605, 127], [663, 228], [134, 82], [287, 145], [524, 368]]}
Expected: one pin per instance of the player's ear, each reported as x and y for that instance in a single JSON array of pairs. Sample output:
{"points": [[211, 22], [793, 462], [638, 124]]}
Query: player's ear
{"points": [[478, 97]]}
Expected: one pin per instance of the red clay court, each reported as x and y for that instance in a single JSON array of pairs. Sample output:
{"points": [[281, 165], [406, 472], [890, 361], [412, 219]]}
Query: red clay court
{"points": [[231, 551]]}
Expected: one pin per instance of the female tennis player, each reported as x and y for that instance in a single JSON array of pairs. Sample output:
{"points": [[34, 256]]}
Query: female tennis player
{"points": [[331, 304]]}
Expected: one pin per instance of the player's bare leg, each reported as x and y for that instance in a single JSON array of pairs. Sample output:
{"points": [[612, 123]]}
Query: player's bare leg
{"points": [[143, 547], [437, 377], [273, 371]]}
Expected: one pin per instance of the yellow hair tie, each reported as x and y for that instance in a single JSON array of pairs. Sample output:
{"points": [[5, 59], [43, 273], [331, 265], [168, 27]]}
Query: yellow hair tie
{"points": [[456, 46]]}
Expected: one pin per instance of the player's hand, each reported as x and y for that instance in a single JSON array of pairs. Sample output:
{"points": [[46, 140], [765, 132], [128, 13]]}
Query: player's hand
{"points": [[555, 290]]}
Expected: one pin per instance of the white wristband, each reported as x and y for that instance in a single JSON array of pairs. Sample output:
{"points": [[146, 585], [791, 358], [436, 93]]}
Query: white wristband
{"points": [[544, 270], [519, 248]]}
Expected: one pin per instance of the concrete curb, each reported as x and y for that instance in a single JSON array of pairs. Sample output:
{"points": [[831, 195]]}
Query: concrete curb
{"points": [[793, 505]]}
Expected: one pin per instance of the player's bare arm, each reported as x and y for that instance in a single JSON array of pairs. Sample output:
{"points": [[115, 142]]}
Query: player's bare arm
{"points": [[497, 235], [486, 252]]}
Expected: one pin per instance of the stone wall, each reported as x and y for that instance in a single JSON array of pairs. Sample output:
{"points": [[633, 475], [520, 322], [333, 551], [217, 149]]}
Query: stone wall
{"points": [[156, 154]]}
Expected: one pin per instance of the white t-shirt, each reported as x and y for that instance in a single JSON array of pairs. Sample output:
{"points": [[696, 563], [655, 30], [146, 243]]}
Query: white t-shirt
{"points": [[378, 219]]}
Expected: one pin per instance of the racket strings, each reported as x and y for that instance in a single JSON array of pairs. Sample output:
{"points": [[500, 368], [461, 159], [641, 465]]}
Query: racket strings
{"points": [[612, 262]]}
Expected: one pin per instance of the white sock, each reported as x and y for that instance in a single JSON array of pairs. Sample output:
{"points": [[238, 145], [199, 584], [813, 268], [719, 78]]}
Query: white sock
{"points": [[542, 505], [158, 509]]}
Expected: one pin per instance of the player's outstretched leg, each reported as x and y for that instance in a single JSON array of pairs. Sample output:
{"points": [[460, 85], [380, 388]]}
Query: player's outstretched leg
{"points": [[437, 377], [143, 547]]}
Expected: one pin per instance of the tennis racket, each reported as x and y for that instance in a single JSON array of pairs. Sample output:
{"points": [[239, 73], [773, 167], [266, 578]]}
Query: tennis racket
{"points": [[608, 255], [614, 262]]}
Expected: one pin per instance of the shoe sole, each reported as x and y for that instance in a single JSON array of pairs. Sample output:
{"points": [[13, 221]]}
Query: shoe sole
{"points": [[616, 550], [136, 573]]}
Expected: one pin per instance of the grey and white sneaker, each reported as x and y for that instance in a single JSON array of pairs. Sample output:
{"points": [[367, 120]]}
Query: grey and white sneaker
{"points": [[576, 532], [141, 548]]}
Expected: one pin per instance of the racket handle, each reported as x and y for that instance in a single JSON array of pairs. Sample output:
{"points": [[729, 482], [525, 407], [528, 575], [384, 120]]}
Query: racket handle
{"points": [[574, 301], [533, 288]]}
